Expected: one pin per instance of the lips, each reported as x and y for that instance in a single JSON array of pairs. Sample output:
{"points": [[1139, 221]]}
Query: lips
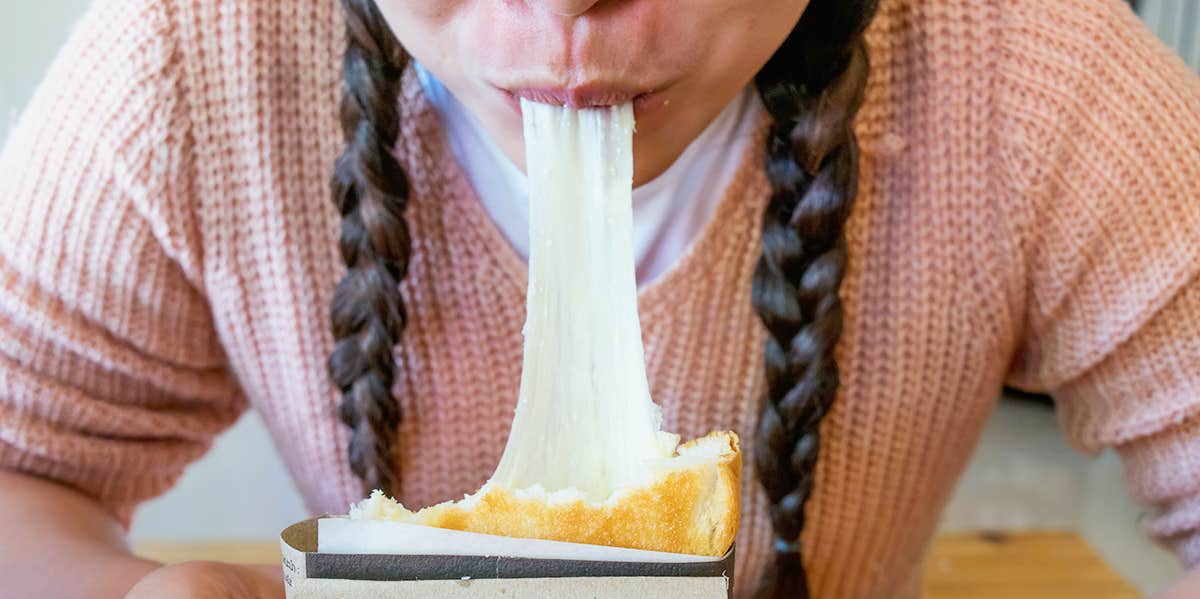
{"points": [[585, 96]]}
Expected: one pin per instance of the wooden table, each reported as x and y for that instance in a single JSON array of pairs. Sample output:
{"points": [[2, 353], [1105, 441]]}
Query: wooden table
{"points": [[1040, 565]]}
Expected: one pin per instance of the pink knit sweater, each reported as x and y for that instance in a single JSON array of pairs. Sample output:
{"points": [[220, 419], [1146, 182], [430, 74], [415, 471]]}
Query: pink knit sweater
{"points": [[1028, 214]]}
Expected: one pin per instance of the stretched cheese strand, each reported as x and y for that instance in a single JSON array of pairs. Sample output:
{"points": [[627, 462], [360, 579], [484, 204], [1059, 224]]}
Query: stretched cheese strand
{"points": [[584, 417], [586, 460]]}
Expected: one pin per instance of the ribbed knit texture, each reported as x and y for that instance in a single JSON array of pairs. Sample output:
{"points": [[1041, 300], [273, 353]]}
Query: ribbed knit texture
{"points": [[1029, 212]]}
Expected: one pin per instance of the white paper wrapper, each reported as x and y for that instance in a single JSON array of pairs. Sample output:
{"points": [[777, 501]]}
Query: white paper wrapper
{"points": [[375, 566], [343, 535]]}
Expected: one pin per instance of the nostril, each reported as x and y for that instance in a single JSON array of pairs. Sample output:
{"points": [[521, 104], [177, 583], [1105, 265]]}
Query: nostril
{"points": [[567, 8]]}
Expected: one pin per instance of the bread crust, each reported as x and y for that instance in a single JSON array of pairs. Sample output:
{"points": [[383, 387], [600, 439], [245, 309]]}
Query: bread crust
{"points": [[692, 510]]}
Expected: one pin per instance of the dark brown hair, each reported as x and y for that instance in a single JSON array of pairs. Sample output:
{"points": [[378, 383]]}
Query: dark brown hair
{"points": [[370, 190], [812, 87]]}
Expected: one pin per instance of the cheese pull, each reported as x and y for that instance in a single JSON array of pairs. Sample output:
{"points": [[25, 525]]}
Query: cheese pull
{"points": [[587, 460]]}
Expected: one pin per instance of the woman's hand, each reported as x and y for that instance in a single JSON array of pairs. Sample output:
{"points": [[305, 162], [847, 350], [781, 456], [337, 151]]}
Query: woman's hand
{"points": [[47, 525], [1185, 588], [197, 580]]}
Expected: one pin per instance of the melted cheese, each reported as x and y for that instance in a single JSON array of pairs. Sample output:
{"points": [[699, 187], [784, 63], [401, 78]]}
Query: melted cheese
{"points": [[584, 419], [586, 460]]}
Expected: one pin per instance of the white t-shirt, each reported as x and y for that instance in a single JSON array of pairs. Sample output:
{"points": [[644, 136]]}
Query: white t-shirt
{"points": [[668, 212]]}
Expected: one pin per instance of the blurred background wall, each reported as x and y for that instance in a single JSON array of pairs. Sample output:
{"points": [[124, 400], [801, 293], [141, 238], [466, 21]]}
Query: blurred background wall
{"points": [[1023, 476], [1177, 22], [30, 34]]}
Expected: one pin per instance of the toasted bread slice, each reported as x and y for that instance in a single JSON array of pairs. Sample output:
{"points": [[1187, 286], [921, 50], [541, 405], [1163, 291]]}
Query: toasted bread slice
{"points": [[690, 507]]}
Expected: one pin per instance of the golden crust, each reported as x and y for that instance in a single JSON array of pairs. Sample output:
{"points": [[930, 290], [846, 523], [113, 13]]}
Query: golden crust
{"points": [[692, 510]]}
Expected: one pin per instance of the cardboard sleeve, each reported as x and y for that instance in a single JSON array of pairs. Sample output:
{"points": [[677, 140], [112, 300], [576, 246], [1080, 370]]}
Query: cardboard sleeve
{"points": [[312, 575]]}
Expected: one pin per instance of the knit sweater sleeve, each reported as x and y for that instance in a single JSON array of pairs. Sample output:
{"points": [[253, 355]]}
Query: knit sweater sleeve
{"points": [[111, 375], [1106, 162]]}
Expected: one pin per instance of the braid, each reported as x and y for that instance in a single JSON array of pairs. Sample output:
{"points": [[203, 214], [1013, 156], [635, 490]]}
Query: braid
{"points": [[812, 87], [370, 190]]}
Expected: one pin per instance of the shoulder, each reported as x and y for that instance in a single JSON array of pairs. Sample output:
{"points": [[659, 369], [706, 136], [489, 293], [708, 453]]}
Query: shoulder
{"points": [[247, 45], [1067, 33]]}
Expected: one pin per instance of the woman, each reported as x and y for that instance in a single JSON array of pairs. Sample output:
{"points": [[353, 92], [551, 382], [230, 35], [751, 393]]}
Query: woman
{"points": [[954, 195]]}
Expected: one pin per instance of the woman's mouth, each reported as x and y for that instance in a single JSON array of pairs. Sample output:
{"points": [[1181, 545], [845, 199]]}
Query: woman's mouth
{"points": [[583, 96]]}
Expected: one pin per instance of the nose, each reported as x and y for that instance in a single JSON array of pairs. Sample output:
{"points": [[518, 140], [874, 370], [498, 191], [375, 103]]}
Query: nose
{"points": [[566, 8]]}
